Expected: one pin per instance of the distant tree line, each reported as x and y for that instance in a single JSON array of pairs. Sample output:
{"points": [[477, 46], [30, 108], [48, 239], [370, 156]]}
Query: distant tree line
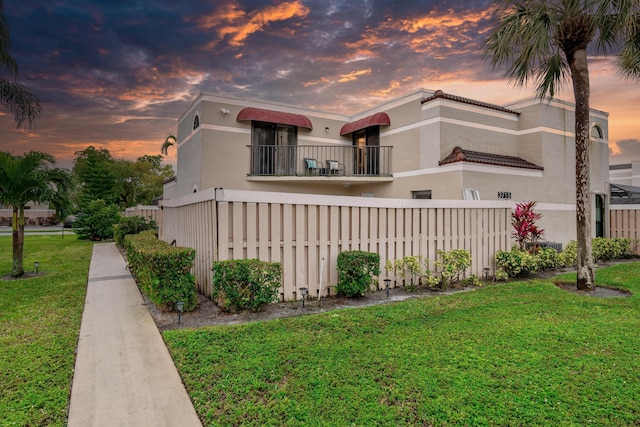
{"points": [[125, 183]]}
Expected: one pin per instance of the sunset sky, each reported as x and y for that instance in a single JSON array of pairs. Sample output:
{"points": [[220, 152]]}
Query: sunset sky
{"points": [[117, 74]]}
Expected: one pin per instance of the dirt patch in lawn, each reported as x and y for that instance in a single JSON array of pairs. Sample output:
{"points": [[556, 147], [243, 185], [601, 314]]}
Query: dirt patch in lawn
{"points": [[208, 313], [598, 292]]}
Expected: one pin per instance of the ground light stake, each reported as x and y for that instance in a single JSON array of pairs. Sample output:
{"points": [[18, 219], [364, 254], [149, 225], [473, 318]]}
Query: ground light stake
{"points": [[304, 292], [180, 307], [387, 284]]}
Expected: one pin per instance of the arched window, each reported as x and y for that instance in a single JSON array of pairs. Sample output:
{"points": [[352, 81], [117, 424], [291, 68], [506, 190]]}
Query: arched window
{"points": [[596, 132], [196, 122]]}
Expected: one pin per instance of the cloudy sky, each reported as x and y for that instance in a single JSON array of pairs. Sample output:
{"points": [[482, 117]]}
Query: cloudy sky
{"points": [[118, 73]]}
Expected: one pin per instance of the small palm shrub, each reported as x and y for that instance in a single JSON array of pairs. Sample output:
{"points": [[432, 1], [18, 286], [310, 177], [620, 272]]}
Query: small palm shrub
{"points": [[357, 271]]}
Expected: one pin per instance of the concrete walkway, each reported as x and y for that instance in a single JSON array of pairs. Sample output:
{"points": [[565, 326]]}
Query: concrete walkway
{"points": [[124, 375]]}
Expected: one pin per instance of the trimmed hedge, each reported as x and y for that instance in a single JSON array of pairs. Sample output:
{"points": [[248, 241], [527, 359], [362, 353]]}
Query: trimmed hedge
{"points": [[162, 270], [356, 272], [132, 225], [245, 284]]}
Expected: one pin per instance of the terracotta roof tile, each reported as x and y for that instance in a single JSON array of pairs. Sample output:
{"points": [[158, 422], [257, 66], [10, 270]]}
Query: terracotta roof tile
{"points": [[438, 94], [460, 155]]}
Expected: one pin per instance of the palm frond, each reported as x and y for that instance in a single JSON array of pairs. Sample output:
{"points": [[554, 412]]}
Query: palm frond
{"points": [[24, 105], [524, 43], [169, 141], [7, 62]]}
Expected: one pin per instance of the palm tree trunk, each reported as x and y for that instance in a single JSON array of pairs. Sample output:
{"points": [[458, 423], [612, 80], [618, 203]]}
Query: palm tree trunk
{"points": [[17, 224], [580, 77]]}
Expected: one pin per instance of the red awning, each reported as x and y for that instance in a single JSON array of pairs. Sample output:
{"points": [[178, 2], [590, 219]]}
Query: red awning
{"points": [[373, 120], [270, 116]]}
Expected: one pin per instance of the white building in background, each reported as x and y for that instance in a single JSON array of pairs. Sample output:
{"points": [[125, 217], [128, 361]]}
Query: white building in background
{"points": [[428, 145]]}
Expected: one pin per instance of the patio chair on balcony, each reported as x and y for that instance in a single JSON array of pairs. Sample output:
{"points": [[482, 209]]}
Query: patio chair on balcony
{"points": [[311, 166], [334, 167]]}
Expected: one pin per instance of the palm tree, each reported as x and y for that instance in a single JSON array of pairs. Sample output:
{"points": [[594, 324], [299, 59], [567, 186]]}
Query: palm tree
{"points": [[168, 142], [24, 105], [29, 178], [546, 42]]}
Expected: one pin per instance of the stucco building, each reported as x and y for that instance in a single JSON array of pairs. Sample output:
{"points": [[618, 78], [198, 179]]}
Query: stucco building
{"points": [[427, 144]]}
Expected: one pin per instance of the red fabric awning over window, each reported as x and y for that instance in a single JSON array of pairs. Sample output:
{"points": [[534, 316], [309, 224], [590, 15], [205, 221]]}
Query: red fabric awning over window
{"points": [[270, 116], [373, 120]]}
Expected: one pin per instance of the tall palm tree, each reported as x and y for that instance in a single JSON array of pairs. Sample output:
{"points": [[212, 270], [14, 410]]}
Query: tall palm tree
{"points": [[29, 178], [23, 104], [168, 142], [545, 42]]}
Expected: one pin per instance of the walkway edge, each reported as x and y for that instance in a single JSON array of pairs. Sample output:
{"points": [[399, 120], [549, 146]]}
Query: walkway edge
{"points": [[124, 374]]}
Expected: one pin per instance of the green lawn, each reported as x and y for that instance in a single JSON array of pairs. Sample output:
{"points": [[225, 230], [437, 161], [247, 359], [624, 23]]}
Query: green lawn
{"points": [[40, 322], [515, 354]]}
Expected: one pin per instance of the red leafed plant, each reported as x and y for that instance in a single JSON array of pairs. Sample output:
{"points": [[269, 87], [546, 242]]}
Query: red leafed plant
{"points": [[523, 220]]}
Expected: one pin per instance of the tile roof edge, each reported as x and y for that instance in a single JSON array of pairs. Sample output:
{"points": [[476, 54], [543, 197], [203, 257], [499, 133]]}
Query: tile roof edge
{"points": [[439, 94]]}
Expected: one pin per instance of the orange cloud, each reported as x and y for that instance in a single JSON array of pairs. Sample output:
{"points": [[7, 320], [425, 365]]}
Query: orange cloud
{"points": [[434, 20], [614, 149], [432, 34], [353, 75], [236, 24], [393, 85]]}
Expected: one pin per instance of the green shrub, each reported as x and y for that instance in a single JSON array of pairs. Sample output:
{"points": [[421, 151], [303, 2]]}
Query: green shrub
{"points": [[96, 221], [500, 275], [547, 258], [162, 271], [569, 256], [357, 271], [452, 265], [517, 262], [245, 284], [605, 249], [472, 280], [413, 267], [132, 225]]}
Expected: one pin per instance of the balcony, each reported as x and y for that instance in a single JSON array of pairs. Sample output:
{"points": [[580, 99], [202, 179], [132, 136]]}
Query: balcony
{"points": [[320, 163]]}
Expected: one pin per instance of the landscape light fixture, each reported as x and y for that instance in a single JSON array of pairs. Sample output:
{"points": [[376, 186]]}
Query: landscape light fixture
{"points": [[486, 273], [304, 292], [387, 284], [36, 265], [180, 308]]}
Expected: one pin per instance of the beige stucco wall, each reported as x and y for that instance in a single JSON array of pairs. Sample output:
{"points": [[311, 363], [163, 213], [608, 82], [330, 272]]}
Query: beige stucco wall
{"points": [[217, 154]]}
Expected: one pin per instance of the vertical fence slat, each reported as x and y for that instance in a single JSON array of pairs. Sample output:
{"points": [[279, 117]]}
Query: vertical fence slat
{"points": [[300, 235]]}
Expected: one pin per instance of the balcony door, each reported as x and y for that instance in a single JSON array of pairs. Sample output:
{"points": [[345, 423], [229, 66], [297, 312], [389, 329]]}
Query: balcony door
{"points": [[273, 149], [366, 158]]}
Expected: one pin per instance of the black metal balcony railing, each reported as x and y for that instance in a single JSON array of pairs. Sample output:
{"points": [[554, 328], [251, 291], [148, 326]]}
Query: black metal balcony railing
{"points": [[320, 160]]}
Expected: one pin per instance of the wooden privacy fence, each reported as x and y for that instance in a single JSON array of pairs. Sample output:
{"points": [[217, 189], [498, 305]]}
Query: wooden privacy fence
{"points": [[625, 222], [307, 232], [147, 212], [31, 216]]}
